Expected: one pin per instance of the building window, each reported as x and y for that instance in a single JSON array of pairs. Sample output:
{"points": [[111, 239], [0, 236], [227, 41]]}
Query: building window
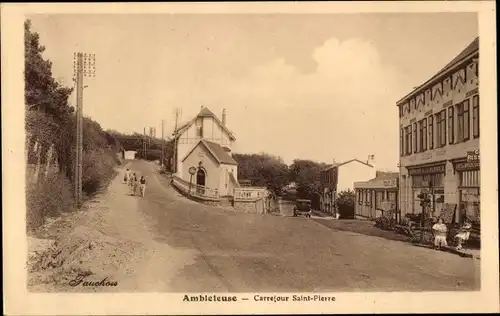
{"points": [[415, 137], [422, 138], [475, 116], [408, 140], [451, 133], [359, 196], [368, 197], [431, 132], [470, 179], [424, 134], [379, 197], [463, 121], [441, 128], [401, 142], [428, 180], [392, 196]]}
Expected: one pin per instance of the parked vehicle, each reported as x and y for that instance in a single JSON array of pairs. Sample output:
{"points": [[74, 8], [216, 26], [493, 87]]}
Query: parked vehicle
{"points": [[302, 207]]}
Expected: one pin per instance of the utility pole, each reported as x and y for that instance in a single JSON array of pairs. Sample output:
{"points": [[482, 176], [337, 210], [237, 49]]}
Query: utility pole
{"points": [[83, 66], [162, 144], [144, 150], [177, 114]]}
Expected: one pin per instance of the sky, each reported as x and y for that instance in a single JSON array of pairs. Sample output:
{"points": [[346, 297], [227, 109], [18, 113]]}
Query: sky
{"points": [[320, 87]]}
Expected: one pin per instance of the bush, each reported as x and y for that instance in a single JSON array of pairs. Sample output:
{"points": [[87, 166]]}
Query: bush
{"points": [[47, 198], [98, 169], [345, 203], [151, 155]]}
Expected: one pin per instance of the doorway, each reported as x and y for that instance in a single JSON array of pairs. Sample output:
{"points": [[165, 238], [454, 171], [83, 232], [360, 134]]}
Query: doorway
{"points": [[200, 181], [200, 177]]}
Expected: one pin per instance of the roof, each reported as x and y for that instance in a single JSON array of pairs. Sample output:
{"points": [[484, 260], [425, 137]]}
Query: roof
{"points": [[217, 152], [471, 49], [380, 180], [345, 163], [205, 112], [386, 175]]}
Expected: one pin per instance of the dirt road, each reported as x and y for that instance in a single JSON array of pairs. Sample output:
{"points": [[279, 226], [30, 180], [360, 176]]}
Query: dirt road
{"points": [[166, 243]]}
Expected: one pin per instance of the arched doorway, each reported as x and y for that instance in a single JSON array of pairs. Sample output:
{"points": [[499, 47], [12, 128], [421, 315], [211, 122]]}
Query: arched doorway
{"points": [[200, 177], [200, 180]]}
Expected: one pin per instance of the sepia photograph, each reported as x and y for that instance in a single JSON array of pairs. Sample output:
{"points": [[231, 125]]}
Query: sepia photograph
{"points": [[263, 158]]}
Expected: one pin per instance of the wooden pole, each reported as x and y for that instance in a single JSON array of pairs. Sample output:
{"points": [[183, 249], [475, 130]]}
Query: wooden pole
{"points": [[162, 144], [79, 129]]}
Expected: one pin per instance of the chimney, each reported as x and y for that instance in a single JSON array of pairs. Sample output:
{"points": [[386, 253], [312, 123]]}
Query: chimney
{"points": [[224, 117], [201, 108]]}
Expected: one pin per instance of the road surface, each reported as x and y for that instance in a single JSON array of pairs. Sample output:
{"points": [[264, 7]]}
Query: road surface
{"points": [[222, 250]]}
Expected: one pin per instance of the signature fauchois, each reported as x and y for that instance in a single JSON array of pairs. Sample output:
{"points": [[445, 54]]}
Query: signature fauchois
{"points": [[80, 280]]}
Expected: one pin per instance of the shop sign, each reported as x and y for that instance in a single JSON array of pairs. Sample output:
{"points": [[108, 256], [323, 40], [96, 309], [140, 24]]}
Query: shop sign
{"points": [[467, 166], [427, 170], [447, 103], [471, 92], [473, 156], [390, 183]]}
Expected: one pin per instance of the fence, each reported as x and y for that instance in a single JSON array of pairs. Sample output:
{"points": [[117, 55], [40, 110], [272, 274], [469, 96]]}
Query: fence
{"points": [[40, 158], [195, 189]]}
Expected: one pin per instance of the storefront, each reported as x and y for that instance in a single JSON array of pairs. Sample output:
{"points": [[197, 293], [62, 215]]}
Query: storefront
{"points": [[469, 193], [374, 195], [429, 179]]}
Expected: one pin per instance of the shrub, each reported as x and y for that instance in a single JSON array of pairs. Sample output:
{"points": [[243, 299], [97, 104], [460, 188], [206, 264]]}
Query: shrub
{"points": [[98, 169], [345, 203], [47, 198], [151, 155]]}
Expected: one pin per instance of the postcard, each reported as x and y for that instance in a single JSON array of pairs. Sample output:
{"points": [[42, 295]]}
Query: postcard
{"points": [[264, 158]]}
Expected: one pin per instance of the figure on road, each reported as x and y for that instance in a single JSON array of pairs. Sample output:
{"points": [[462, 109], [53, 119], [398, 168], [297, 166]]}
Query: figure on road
{"points": [[127, 176], [440, 231], [134, 184], [130, 180], [143, 185]]}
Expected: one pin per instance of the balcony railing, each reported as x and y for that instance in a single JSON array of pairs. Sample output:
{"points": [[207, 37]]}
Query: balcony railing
{"points": [[195, 189], [249, 193]]}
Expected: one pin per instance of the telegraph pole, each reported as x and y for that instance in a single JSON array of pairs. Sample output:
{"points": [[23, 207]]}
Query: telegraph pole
{"points": [[177, 113], [144, 144], [83, 66], [162, 144]]}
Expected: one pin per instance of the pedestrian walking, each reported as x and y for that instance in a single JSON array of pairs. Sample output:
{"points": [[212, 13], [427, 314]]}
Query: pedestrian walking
{"points": [[142, 182], [126, 176], [134, 184], [130, 180], [440, 231]]}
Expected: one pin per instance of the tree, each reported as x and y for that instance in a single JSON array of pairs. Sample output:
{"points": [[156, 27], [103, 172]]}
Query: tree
{"points": [[263, 170], [305, 173], [345, 203], [42, 92]]}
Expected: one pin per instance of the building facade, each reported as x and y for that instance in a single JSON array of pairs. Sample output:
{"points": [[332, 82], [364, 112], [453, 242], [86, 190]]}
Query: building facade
{"points": [[376, 194], [203, 155], [341, 177], [439, 139]]}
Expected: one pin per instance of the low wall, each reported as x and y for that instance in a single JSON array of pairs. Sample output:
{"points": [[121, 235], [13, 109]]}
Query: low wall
{"points": [[208, 201], [251, 207]]}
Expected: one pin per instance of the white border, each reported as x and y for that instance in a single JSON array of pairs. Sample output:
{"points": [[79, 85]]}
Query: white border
{"points": [[19, 301]]}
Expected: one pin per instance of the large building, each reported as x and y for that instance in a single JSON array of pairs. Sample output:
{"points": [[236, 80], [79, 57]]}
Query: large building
{"points": [[371, 195], [204, 147], [439, 139], [340, 177]]}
